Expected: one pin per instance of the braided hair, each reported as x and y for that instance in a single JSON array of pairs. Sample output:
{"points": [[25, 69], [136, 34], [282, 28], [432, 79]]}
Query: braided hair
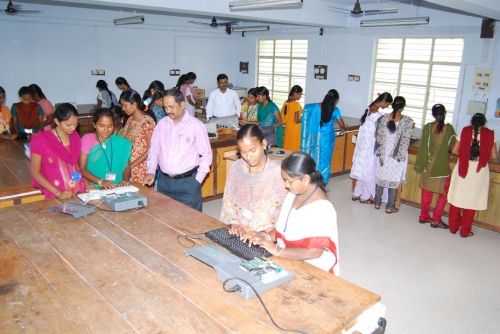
{"points": [[439, 114], [132, 96], [398, 104], [103, 85], [295, 89], [386, 97], [328, 105], [477, 121]]}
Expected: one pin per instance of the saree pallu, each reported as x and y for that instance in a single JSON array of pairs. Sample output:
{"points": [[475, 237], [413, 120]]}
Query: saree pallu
{"points": [[292, 130], [310, 130], [110, 158], [58, 162], [318, 141]]}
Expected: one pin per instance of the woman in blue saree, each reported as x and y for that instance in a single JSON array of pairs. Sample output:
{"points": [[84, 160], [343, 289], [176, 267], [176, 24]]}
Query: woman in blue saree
{"points": [[318, 134]]}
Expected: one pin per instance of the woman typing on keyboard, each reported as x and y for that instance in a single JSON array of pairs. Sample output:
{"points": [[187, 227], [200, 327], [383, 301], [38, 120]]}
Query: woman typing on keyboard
{"points": [[105, 157], [307, 224], [254, 188]]}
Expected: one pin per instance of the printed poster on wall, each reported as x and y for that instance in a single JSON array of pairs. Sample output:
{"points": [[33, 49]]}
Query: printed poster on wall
{"points": [[482, 79]]}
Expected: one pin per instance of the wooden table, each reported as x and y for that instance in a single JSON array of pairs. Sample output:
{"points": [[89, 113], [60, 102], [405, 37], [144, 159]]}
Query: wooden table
{"points": [[15, 176], [127, 273]]}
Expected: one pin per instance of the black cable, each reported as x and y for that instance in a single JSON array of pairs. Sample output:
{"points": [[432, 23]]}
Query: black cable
{"points": [[234, 289], [123, 211], [188, 237], [217, 164]]}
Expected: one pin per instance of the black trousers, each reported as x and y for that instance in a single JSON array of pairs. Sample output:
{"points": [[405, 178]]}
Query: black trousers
{"points": [[391, 198], [186, 190]]}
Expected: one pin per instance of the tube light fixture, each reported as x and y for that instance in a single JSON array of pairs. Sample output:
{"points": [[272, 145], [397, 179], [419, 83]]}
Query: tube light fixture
{"points": [[250, 28], [263, 4], [407, 21], [129, 20]]}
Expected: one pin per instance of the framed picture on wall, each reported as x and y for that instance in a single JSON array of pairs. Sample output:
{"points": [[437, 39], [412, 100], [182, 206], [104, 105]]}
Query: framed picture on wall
{"points": [[244, 67]]}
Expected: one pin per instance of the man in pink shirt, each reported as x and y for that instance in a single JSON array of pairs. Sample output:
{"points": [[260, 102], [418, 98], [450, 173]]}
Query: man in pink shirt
{"points": [[181, 148]]}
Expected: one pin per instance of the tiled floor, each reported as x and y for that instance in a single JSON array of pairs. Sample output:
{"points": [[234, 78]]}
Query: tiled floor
{"points": [[430, 280]]}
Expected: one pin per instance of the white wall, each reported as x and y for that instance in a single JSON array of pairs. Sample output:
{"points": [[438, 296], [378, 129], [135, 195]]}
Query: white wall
{"points": [[351, 51], [58, 48]]}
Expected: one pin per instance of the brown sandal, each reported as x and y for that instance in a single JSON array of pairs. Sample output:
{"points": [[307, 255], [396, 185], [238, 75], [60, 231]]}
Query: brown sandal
{"points": [[391, 210], [439, 224]]}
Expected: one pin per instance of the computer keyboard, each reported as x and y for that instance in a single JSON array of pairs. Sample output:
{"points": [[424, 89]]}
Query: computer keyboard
{"points": [[98, 194], [234, 244]]}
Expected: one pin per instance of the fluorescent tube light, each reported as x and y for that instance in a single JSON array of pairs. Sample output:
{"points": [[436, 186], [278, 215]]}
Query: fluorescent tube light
{"points": [[251, 28], [129, 20], [263, 4], [407, 21]]}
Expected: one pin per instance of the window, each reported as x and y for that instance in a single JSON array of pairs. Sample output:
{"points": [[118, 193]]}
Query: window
{"points": [[281, 64], [425, 71]]}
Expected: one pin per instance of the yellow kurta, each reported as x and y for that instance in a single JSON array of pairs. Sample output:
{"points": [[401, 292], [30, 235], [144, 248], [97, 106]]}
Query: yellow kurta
{"points": [[292, 130]]}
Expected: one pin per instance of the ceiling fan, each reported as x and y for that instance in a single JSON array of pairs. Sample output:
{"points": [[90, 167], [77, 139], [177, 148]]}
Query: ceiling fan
{"points": [[16, 9], [215, 24], [358, 11]]}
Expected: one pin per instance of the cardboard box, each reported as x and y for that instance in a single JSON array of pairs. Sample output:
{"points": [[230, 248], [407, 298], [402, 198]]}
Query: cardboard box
{"points": [[200, 93]]}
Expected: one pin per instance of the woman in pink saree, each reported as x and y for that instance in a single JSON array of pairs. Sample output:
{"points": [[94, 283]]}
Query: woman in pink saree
{"points": [[55, 154]]}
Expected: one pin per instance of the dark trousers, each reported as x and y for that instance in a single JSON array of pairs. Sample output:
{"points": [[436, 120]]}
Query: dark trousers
{"points": [[186, 190], [391, 198]]}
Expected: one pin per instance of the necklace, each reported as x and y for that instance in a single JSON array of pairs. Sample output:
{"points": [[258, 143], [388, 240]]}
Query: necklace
{"points": [[298, 207], [59, 137], [103, 143], [265, 162]]}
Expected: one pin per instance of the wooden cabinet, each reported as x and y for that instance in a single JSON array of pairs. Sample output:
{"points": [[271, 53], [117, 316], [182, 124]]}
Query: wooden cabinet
{"points": [[343, 153], [338, 155], [213, 185], [488, 218], [85, 124]]}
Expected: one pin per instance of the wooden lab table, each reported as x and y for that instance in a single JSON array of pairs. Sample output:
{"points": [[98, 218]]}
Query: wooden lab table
{"points": [[128, 273], [15, 176]]}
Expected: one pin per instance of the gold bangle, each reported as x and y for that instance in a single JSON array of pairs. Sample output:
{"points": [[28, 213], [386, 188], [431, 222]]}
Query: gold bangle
{"points": [[99, 182]]}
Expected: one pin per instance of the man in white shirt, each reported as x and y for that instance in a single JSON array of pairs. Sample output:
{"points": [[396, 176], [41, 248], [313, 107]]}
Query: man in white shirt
{"points": [[223, 101]]}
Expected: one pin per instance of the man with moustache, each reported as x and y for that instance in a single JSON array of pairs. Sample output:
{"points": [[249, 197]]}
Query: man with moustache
{"points": [[181, 148], [223, 101]]}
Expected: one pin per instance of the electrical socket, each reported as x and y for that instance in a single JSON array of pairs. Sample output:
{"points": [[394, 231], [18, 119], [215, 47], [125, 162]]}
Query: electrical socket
{"points": [[98, 72]]}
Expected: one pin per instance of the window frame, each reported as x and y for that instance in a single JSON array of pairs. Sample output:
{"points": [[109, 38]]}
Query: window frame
{"points": [[431, 63], [290, 56]]}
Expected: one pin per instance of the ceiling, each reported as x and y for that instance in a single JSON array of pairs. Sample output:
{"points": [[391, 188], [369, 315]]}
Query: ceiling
{"points": [[314, 13]]}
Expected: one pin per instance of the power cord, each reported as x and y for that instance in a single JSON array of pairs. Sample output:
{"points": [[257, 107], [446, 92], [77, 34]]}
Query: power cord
{"points": [[217, 163], [237, 288], [123, 211], [190, 238]]}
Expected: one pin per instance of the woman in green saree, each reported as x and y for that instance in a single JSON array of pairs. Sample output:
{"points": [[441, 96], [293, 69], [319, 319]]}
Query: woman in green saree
{"points": [[105, 156]]}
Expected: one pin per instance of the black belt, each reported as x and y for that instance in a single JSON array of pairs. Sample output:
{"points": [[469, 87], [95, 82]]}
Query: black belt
{"points": [[189, 173]]}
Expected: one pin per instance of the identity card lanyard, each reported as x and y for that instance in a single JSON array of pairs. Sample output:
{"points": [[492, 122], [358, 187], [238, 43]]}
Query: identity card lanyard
{"points": [[109, 176]]}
